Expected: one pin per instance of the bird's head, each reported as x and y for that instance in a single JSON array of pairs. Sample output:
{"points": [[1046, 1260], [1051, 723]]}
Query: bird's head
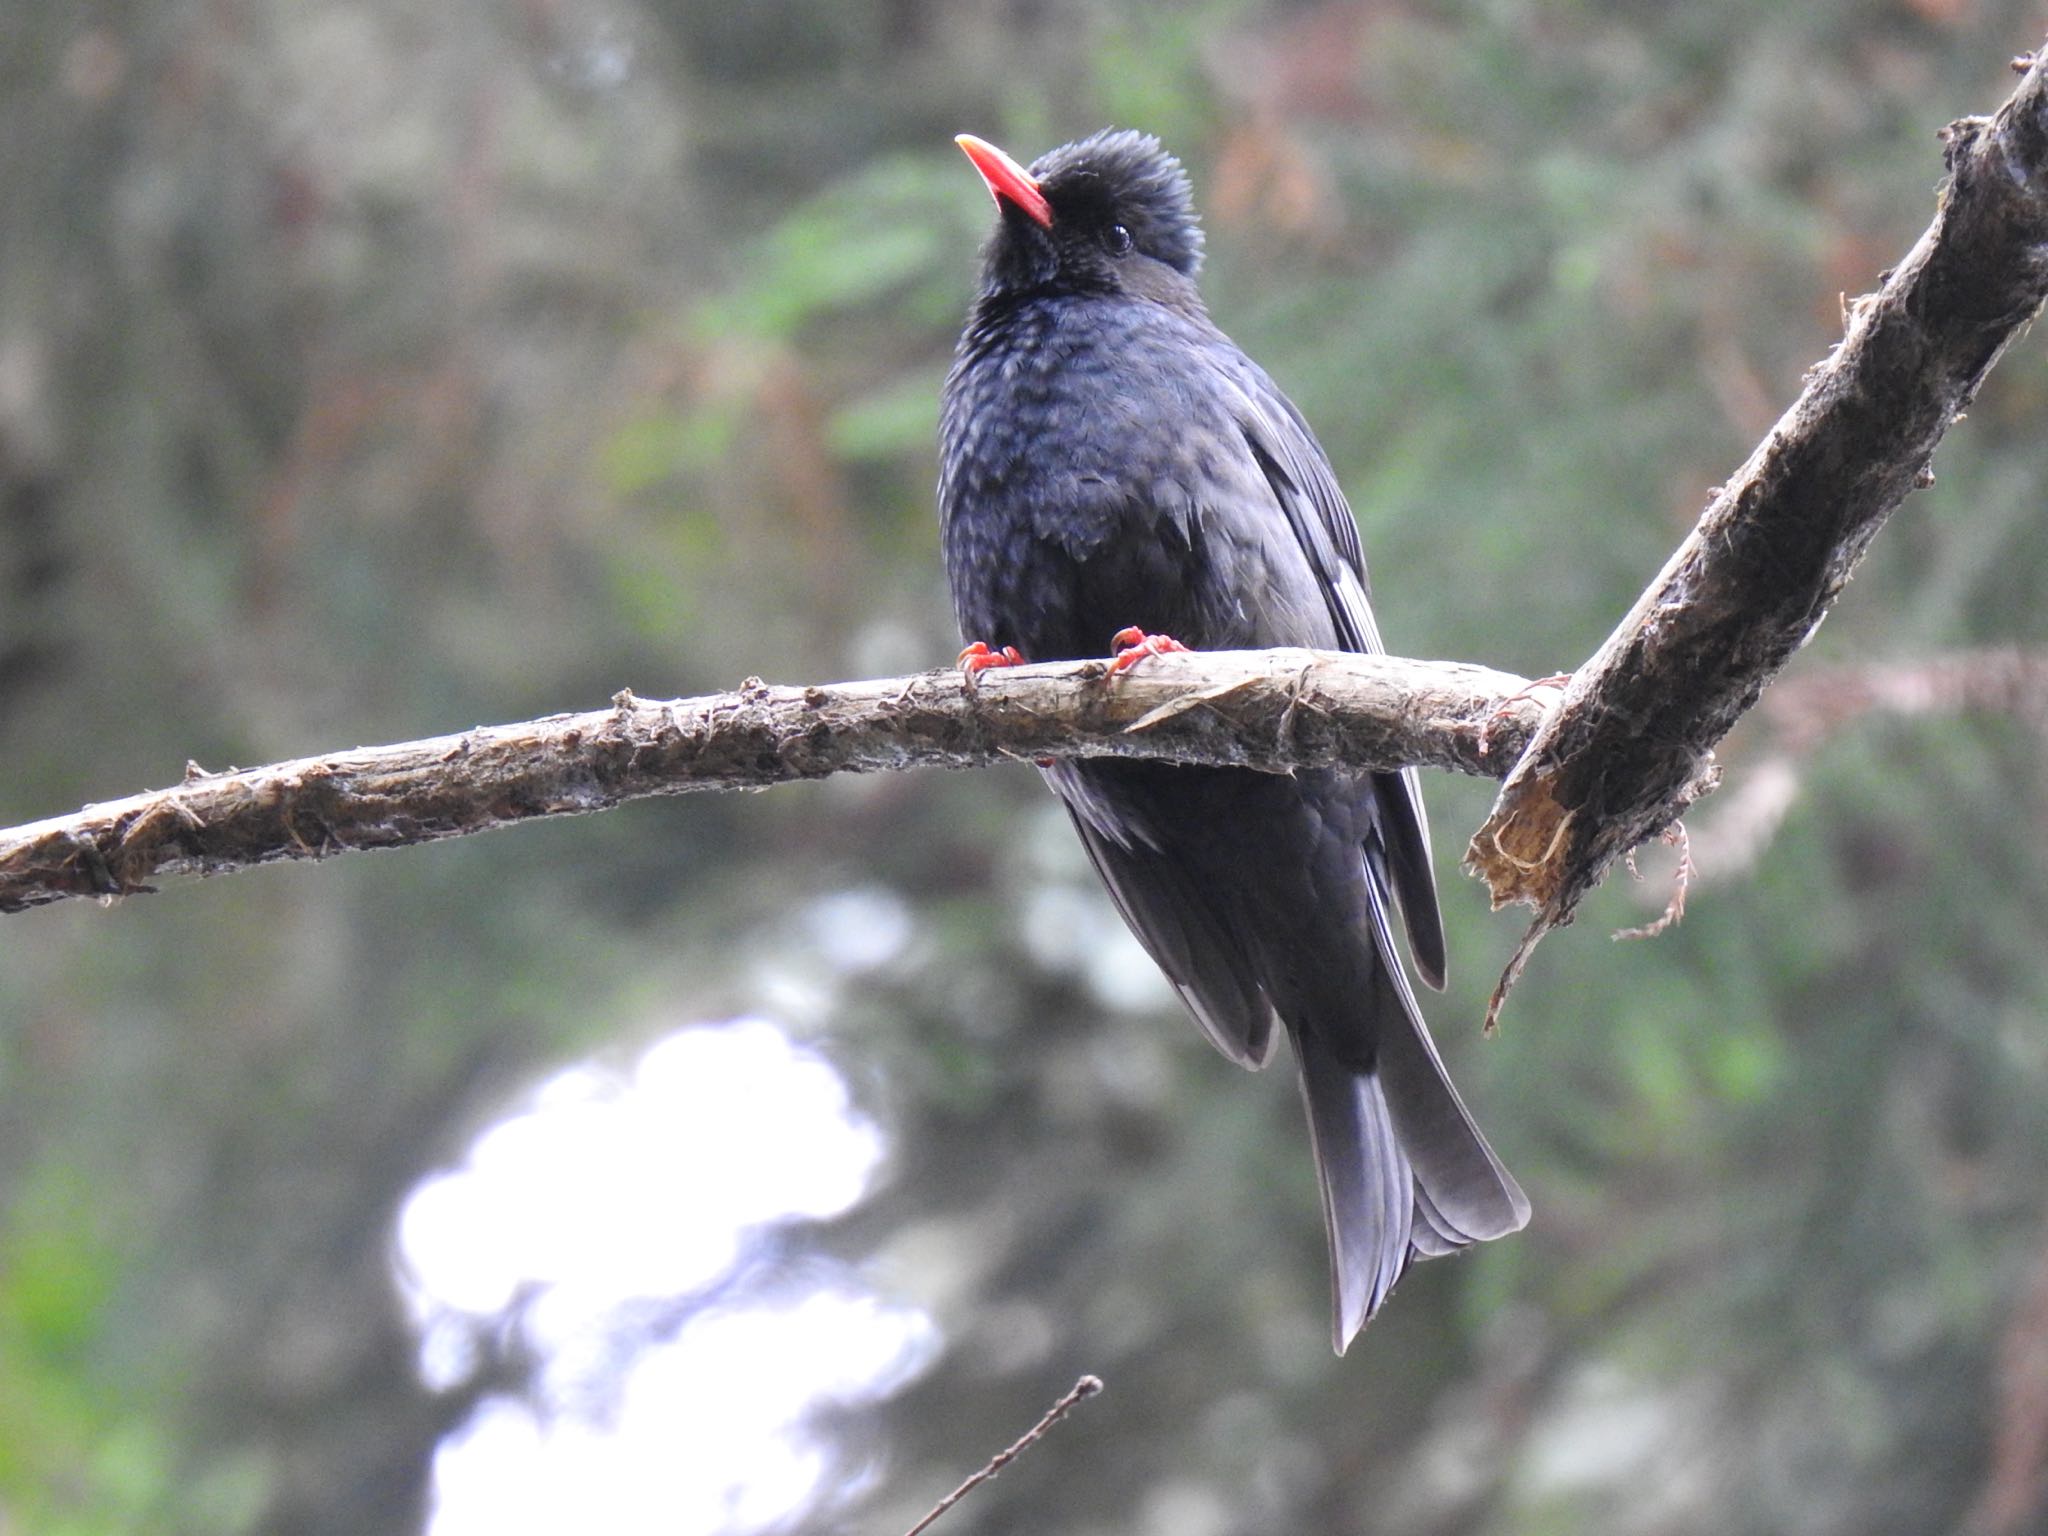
{"points": [[1109, 213]]}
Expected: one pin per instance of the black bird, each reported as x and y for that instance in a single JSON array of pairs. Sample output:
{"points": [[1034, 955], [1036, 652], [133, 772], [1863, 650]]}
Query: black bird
{"points": [[1113, 464]]}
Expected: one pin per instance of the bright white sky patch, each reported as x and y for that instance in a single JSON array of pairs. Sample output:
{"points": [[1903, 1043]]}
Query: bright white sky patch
{"points": [[704, 1434], [613, 1187]]}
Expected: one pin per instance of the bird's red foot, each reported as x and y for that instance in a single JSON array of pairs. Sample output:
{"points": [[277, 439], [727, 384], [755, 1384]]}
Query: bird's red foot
{"points": [[979, 658], [1133, 645]]}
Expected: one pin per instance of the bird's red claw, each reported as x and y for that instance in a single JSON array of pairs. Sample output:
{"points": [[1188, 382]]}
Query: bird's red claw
{"points": [[979, 658], [1133, 645]]}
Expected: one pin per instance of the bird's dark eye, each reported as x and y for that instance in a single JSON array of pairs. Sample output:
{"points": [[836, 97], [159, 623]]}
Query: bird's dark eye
{"points": [[1117, 239]]}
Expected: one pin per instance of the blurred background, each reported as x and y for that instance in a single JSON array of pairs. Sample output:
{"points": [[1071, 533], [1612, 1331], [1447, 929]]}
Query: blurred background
{"points": [[764, 1163]]}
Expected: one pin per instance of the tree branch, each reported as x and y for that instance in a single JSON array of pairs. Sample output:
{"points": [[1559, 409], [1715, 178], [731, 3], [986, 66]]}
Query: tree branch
{"points": [[1628, 749], [1631, 744], [1264, 709]]}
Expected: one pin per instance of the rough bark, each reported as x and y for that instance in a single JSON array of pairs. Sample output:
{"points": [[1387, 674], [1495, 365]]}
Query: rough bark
{"points": [[1266, 709], [1631, 744]]}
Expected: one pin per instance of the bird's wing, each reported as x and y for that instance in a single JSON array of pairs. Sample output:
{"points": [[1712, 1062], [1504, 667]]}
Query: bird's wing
{"points": [[1176, 917], [1307, 491]]}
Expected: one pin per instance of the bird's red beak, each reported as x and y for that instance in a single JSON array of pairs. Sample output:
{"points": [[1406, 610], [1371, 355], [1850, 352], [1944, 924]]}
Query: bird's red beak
{"points": [[1007, 180]]}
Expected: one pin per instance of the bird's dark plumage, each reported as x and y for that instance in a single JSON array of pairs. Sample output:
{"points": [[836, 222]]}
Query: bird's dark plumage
{"points": [[1110, 458]]}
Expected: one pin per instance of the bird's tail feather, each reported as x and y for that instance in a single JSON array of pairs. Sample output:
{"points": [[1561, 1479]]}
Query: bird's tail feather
{"points": [[1463, 1193], [1471, 1197], [1404, 1173], [1369, 1193]]}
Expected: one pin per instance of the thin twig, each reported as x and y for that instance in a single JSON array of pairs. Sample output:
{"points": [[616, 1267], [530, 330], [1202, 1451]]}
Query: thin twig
{"points": [[1083, 1389]]}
